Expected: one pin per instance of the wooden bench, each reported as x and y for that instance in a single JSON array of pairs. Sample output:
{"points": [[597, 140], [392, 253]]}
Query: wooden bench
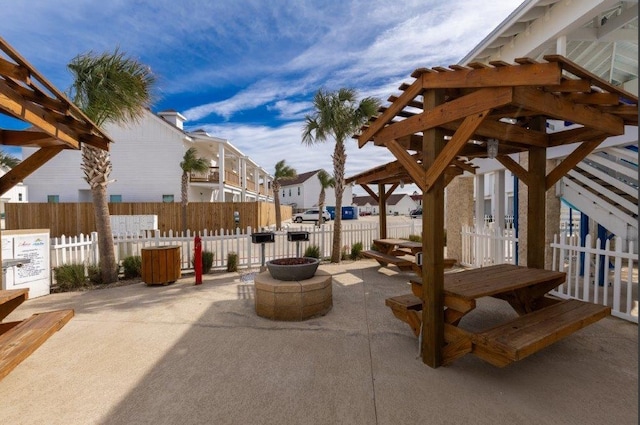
{"points": [[10, 299], [384, 260], [406, 308], [532, 332], [19, 339]]}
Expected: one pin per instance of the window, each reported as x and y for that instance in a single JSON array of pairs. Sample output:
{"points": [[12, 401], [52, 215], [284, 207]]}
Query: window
{"points": [[283, 193], [167, 198], [115, 198], [19, 196], [298, 190], [289, 192], [53, 199]]}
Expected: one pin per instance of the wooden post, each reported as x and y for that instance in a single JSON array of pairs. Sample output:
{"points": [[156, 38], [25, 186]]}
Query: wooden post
{"points": [[536, 207], [382, 207], [432, 244]]}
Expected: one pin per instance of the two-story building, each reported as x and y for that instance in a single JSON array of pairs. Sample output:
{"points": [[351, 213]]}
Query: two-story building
{"points": [[146, 160], [303, 192]]}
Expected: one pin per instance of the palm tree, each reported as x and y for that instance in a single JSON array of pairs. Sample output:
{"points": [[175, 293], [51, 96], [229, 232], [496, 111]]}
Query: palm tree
{"points": [[283, 172], [107, 88], [191, 163], [337, 115], [8, 160], [326, 181]]}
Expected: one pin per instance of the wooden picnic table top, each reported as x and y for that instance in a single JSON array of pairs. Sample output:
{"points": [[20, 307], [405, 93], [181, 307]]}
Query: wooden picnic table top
{"points": [[10, 294], [398, 242], [498, 279]]}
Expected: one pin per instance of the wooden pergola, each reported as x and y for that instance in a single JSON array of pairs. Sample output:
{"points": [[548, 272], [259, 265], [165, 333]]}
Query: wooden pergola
{"points": [[55, 122], [448, 116]]}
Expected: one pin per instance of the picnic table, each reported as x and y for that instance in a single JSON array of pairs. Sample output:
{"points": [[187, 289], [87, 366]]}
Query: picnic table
{"points": [[401, 253], [21, 338], [541, 321]]}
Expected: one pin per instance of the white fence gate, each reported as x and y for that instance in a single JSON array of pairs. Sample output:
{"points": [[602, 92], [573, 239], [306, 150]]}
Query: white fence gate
{"points": [[607, 276], [488, 245]]}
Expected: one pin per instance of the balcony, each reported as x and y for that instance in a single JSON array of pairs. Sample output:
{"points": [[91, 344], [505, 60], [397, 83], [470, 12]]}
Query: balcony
{"points": [[211, 176]]}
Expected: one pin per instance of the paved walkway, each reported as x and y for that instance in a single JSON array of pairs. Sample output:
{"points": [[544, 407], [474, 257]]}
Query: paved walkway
{"points": [[185, 354]]}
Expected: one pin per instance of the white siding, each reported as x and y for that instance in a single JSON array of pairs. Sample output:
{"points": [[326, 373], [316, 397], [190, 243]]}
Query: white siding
{"points": [[403, 207]]}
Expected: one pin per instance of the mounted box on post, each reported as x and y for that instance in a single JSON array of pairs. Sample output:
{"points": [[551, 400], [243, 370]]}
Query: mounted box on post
{"points": [[297, 236], [263, 237]]}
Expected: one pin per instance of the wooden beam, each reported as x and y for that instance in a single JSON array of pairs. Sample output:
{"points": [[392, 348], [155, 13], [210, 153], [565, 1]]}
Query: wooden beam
{"points": [[571, 161], [14, 71], [35, 115], [22, 138], [574, 135], [433, 242], [26, 167], [570, 85], [514, 167], [460, 108], [594, 98], [370, 192], [407, 161], [560, 108], [453, 147], [464, 166], [538, 74], [408, 95]]}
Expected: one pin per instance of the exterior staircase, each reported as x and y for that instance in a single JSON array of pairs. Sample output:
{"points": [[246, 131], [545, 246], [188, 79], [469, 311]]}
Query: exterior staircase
{"points": [[604, 186]]}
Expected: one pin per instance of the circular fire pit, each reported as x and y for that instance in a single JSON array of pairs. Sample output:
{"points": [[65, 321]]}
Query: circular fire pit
{"points": [[293, 300], [294, 268]]}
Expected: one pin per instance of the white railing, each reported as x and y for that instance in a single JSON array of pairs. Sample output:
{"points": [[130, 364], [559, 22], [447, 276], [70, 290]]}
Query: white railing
{"points": [[84, 248], [486, 246], [607, 276]]}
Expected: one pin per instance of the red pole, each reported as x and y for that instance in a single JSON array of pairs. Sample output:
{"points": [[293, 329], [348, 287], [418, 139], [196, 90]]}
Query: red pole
{"points": [[197, 260]]}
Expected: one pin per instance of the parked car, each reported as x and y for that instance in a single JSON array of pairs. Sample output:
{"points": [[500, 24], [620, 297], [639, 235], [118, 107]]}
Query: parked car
{"points": [[311, 215], [416, 213]]}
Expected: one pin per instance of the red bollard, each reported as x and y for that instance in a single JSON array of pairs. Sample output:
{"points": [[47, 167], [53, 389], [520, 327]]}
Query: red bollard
{"points": [[197, 260]]}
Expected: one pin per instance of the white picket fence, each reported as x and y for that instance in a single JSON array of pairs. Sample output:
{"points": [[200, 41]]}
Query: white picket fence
{"points": [[488, 245], [619, 286], [83, 249]]}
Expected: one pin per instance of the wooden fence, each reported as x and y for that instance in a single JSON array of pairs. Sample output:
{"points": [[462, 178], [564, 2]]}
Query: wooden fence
{"points": [[77, 218]]}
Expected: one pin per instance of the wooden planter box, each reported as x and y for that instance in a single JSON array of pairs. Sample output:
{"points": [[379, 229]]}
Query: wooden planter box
{"points": [[160, 265]]}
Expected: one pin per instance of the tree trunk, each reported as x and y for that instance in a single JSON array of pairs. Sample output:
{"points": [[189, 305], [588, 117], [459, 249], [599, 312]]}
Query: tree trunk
{"points": [[108, 267], [97, 168], [339, 159], [320, 205], [276, 201], [185, 200]]}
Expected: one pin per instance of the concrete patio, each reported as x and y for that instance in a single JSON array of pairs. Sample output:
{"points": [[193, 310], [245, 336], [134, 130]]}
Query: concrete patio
{"points": [[185, 354]]}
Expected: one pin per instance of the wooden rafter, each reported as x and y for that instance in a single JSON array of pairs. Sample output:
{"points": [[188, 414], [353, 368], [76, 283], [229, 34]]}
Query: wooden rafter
{"points": [[571, 161]]}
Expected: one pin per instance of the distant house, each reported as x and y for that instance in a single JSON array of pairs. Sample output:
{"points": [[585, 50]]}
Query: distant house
{"points": [[146, 167], [417, 198], [303, 192], [397, 203]]}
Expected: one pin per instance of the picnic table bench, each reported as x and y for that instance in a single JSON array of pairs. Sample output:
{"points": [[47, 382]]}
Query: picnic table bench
{"points": [[542, 320], [401, 253], [19, 339]]}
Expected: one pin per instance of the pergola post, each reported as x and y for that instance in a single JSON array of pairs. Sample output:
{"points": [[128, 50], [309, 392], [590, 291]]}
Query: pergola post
{"points": [[536, 207], [433, 243], [382, 211]]}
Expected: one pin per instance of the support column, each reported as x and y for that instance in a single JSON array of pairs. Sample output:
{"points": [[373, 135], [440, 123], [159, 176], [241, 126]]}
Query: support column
{"points": [[243, 178], [382, 216], [221, 171], [459, 213], [479, 200], [536, 207], [432, 243], [499, 198]]}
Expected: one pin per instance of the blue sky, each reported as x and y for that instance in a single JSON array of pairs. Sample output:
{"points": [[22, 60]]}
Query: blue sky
{"points": [[247, 70]]}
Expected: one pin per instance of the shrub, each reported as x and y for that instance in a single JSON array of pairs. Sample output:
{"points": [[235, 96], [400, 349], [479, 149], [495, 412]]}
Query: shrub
{"points": [[232, 262], [132, 266], [95, 275], [374, 248], [70, 277], [415, 238], [207, 261], [356, 251], [312, 251]]}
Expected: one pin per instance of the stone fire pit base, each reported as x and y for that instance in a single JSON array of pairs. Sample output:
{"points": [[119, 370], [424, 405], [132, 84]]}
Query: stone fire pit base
{"points": [[293, 300]]}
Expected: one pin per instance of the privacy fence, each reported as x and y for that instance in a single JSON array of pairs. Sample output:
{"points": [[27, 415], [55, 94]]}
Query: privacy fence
{"points": [[77, 218]]}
